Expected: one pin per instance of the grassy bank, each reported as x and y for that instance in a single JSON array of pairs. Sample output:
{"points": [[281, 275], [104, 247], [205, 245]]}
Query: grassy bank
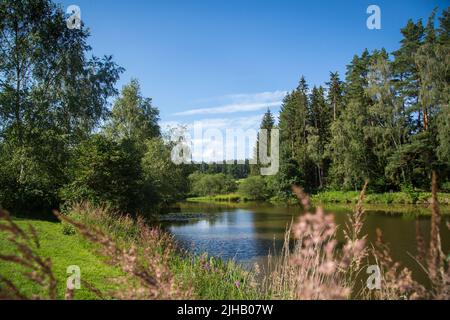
{"points": [[64, 251], [232, 197], [342, 197], [177, 273], [380, 198]]}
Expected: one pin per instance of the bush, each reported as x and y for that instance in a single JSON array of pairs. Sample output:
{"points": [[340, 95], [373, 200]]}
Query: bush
{"points": [[211, 184], [255, 188], [106, 172], [166, 179], [31, 175]]}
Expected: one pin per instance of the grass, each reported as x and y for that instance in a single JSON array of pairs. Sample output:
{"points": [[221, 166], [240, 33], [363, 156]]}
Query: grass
{"points": [[232, 197], [342, 197], [64, 251], [397, 203], [198, 277], [379, 198]]}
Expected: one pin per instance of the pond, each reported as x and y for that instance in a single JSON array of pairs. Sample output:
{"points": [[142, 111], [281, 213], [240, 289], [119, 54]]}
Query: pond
{"points": [[248, 232]]}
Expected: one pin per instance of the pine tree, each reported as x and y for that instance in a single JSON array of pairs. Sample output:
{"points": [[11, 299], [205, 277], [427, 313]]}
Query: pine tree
{"points": [[335, 94], [267, 123], [404, 67], [320, 118], [349, 148], [293, 137]]}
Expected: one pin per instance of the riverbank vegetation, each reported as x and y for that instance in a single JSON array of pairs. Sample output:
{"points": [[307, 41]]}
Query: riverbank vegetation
{"points": [[257, 188], [123, 258], [119, 258]]}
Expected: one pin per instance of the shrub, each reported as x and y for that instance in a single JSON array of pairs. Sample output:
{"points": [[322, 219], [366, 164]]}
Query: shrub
{"points": [[106, 172], [254, 188], [166, 179], [445, 187], [211, 184]]}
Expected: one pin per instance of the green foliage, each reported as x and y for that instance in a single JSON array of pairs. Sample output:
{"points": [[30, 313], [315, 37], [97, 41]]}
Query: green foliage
{"points": [[400, 198], [51, 97], [106, 172], [237, 169], [267, 123], [254, 188], [387, 123], [211, 184], [133, 117], [68, 229], [166, 180]]}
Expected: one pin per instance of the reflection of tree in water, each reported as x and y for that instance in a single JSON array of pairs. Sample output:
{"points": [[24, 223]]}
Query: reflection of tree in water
{"points": [[249, 233]]}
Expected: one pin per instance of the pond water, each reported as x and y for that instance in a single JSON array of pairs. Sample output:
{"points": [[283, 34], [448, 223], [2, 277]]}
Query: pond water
{"points": [[247, 232]]}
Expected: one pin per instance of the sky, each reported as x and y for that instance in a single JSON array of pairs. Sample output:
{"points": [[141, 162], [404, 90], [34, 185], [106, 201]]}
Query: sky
{"points": [[222, 63]]}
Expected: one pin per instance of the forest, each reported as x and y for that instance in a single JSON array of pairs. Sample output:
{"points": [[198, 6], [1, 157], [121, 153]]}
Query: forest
{"points": [[61, 140], [386, 121]]}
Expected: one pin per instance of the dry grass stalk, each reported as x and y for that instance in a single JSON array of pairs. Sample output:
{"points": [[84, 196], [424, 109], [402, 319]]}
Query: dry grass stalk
{"points": [[147, 275], [314, 269], [37, 269], [356, 241], [438, 268], [398, 282]]}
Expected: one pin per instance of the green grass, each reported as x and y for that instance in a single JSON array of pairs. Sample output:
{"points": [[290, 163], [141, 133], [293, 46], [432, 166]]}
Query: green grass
{"points": [[232, 197], [208, 278], [64, 251], [342, 197], [379, 198]]}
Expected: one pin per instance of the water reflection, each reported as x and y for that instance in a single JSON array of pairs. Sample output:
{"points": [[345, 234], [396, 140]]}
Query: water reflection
{"points": [[248, 234]]}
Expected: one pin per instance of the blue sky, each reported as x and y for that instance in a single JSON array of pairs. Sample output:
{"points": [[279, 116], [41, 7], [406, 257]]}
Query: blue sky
{"points": [[223, 61]]}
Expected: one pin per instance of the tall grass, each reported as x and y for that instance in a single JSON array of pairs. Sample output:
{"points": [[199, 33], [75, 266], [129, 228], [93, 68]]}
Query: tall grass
{"points": [[311, 266], [152, 266], [314, 268]]}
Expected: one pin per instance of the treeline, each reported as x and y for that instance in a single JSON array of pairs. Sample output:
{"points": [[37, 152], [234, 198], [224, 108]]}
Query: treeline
{"points": [[236, 169], [66, 134], [388, 121], [60, 140]]}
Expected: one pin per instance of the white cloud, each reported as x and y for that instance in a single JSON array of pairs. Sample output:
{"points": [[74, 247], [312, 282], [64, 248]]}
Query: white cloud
{"points": [[204, 148], [240, 103]]}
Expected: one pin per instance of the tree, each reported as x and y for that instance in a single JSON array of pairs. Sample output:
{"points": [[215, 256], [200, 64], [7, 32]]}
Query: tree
{"points": [[133, 116], [267, 123], [293, 137], [405, 70], [349, 149], [388, 128], [167, 181], [335, 94], [51, 95], [320, 118], [211, 184], [104, 171], [254, 188]]}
